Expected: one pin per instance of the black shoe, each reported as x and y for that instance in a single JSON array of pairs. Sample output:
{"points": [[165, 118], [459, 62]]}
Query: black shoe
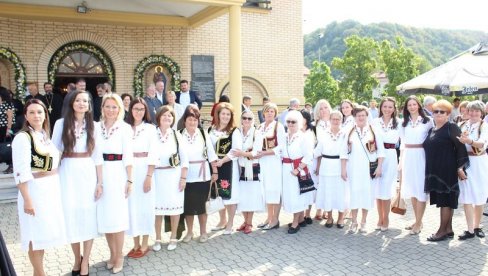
{"points": [[301, 224], [292, 230], [479, 232], [340, 226], [466, 235], [77, 272], [329, 224], [450, 235], [268, 227], [485, 214], [308, 220], [434, 238]]}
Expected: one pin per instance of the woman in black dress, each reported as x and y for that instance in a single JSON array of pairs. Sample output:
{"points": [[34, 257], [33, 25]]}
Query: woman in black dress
{"points": [[446, 160]]}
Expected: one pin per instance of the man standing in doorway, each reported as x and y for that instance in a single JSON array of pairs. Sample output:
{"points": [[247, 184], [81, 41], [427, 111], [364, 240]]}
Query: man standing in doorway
{"points": [[34, 93], [54, 104], [152, 102], [160, 95], [186, 97], [97, 102]]}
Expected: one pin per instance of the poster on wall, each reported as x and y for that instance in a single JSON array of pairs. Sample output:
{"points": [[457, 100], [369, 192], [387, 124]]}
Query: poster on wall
{"points": [[202, 77]]}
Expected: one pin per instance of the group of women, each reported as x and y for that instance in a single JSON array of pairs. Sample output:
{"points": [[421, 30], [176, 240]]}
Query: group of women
{"points": [[118, 178]]}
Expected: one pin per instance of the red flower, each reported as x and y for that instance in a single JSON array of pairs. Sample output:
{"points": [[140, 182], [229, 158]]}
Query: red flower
{"points": [[224, 184]]}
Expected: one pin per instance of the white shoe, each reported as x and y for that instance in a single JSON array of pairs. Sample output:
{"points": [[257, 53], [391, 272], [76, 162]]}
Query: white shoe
{"points": [[173, 243], [157, 246], [188, 238], [217, 228], [227, 232]]}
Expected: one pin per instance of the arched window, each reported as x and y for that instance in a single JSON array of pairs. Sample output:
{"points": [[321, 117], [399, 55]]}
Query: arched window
{"points": [[80, 63]]}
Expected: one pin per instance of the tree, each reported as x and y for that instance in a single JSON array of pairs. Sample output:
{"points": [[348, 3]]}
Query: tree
{"points": [[321, 85], [400, 65], [357, 67]]}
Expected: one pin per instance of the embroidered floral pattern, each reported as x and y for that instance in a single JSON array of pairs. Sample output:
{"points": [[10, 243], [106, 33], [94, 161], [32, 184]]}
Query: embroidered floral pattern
{"points": [[163, 138], [108, 133], [386, 127], [79, 132], [416, 123], [333, 136], [137, 132]]}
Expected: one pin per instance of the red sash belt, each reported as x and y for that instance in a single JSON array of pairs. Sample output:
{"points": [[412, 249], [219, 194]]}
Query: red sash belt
{"points": [[112, 157], [389, 146]]}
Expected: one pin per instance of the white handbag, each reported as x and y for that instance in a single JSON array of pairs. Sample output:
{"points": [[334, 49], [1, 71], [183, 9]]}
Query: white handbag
{"points": [[213, 204]]}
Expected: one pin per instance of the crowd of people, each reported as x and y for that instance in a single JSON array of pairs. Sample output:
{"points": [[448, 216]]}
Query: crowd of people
{"points": [[148, 158]]}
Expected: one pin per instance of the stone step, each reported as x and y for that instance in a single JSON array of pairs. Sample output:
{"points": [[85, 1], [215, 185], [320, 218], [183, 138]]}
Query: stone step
{"points": [[8, 189]]}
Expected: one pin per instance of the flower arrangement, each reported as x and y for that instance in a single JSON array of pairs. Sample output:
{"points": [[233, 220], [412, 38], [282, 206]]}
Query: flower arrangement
{"points": [[20, 78], [166, 62], [84, 46]]}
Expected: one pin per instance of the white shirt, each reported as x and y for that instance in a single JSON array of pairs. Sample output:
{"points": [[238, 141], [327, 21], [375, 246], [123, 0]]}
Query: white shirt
{"points": [[185, 99], [159, 96]]}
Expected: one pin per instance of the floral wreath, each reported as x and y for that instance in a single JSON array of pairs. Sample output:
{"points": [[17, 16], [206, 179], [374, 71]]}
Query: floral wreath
{"points": [[166, 62], [20, 79], [86, 47]]}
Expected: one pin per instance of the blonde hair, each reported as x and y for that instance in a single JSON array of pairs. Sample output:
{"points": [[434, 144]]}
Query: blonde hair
{"points": [[316, 111], [271, 106], [443, 104], [118, 102]]}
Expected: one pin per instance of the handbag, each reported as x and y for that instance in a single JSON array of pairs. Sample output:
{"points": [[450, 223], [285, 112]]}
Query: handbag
{"points": [[398, 205], [372, 168], [305, 182], [373, 165], [174, 159], [216, 204]]}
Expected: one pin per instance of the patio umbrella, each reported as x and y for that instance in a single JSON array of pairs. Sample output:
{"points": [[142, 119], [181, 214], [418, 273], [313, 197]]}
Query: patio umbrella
{"points": [[464, 75]]}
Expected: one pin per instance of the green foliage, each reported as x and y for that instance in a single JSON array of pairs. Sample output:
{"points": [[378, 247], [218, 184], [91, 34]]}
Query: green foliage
{"points": [[357, 67], [321, 85], [400, 65]]}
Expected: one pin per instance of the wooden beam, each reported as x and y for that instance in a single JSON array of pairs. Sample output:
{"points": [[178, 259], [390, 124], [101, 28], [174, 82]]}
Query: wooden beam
{"points": [[220, 3]]}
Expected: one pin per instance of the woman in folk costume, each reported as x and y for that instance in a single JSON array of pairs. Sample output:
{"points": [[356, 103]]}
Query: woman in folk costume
{"points": [[113, 206], [251, 189], [141, 202], [413, 131], [39, 206], [200, 153], [347, 118], [363, 145], [226, 138], [474, 189], [308, 129], [76, 137], [171, 174], [297, 154], [273, 135], [389, 125], [331, 193], [322, 112]]}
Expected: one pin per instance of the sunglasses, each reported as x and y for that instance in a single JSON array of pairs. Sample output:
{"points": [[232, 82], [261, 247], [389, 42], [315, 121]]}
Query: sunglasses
{"points": [[291, 122], [246, 118], [439, 112]]}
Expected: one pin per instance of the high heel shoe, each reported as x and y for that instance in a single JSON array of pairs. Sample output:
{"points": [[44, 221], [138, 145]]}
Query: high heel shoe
{"points": [[118, 269], [110, 265], [77, 272], [87, 274]]}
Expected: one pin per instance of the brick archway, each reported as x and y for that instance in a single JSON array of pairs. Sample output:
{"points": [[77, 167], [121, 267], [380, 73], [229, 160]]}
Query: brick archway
{"points": [[56, 43]]}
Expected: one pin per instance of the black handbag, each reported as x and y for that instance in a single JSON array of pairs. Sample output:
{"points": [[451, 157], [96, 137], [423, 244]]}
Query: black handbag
{"points": [[305, 182], [372, 168], [174, 159]]}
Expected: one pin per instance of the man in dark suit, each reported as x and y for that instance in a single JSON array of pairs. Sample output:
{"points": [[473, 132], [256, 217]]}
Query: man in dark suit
{"points": [[186, 97], [54, 104], [34, 93], [97, 101]]}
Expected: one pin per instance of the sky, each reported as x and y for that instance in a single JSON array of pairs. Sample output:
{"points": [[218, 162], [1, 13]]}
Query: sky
{"points": [[447, 14]]}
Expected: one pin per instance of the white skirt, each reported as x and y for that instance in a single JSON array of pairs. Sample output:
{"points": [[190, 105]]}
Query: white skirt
{"points": [[293, 201], [474, 190], [385, 188], [251, 197], [141, 204], [47, 228], [78, 194], [113, 207], [270, 171], [413, 174], [169, 199], [331, 194]]}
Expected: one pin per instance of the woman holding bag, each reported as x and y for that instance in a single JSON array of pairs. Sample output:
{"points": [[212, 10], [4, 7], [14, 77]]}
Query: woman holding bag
{"points": [[200, 152], [361, 160]]}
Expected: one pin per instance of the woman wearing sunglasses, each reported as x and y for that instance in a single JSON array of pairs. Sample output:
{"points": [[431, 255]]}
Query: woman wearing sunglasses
{"points": [[446, 160], [297, 154], [251, 191], [413, 132]]}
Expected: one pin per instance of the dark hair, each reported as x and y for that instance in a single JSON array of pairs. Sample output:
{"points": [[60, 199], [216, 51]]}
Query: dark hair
{"points": [[46, 83], [456, 100], [190, 111], [126, 95], [224, 99], [406, 113], [307, 117], [395, 113], [45, 126], [359, 108], [265, 98], [5, 95], [340, 108], [68, 135], [130, 118], [162, 110], [80, 80], [183, 81], [219, 109]]}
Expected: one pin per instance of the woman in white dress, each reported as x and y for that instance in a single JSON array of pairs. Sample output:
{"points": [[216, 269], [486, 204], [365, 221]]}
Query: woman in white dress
{"points": [[474, 190], [389, 125], [309, 131], [322, 112], [273, 135], [225, 139], [362, 144], [113, 206], [200, 153], [76, 137], [251, 188], [346, 109], [141, 201], [413, 131], [171, 174], [35, 160], [297, 154], [331, 193]]}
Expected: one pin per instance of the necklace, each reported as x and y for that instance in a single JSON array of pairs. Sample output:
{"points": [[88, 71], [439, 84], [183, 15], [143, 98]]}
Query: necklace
{"points": [[49, 102], [106, 133]]}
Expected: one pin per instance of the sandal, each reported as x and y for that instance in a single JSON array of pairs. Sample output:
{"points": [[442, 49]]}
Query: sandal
{"points": [[242, 227], [247, 229]]}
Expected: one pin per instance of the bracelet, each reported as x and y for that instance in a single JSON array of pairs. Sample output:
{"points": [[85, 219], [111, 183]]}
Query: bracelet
{"points": [[130, 181], [148, 175], [183, 178]]}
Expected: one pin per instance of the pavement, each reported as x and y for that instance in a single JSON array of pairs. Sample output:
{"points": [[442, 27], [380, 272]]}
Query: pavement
{"points": [[314, 250]]}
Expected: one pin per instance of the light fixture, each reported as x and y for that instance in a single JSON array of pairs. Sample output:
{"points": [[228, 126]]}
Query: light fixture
{"points": [[82, 8]]}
